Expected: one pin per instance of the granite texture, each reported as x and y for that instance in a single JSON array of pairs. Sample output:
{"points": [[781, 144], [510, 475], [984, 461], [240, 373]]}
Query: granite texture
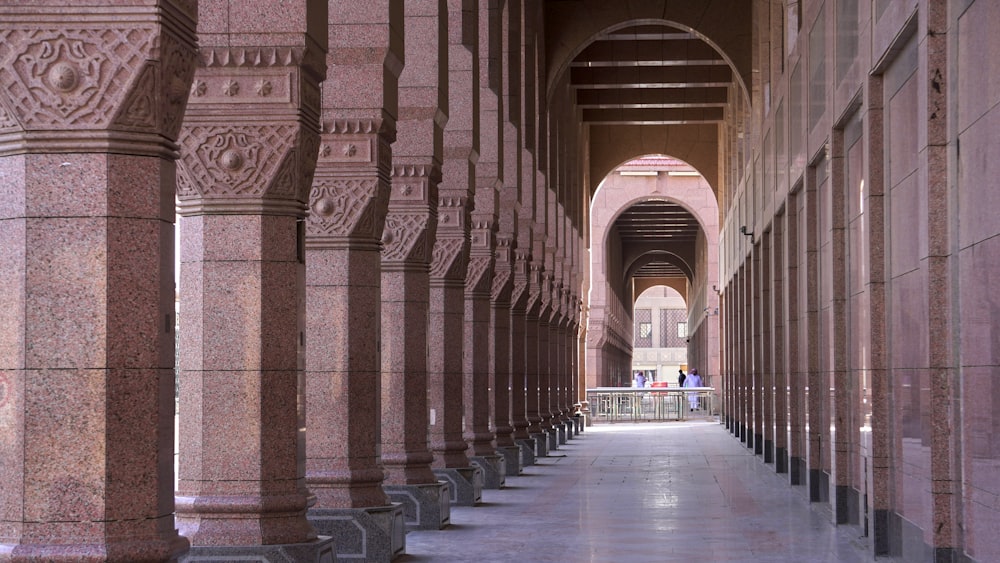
{"points": [[464, 483], [367, 534], [425, 506]]}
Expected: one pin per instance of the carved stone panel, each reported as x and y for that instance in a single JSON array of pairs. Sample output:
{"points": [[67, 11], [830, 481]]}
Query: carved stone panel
{"points": [[405, 237], [73, 78], [449, 258], [347, 207], [479, 275], [232, 161]]}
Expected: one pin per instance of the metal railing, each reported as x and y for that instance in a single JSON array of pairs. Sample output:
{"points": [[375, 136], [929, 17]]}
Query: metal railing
{"points": [[635, 404]]}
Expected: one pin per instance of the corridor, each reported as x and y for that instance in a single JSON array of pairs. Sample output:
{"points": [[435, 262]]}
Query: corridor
{"points": [[643, 493]]}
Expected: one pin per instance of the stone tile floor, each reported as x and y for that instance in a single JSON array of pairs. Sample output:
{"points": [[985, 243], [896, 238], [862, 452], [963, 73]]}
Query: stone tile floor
{"points": [[647, 492]]}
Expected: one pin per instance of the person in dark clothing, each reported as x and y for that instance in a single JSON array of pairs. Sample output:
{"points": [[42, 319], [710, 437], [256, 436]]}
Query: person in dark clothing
{"points": [[680, 378]]}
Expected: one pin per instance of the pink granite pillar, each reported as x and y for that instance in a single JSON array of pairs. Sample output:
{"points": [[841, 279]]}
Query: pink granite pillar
{"points": [[348, 205], [478, 396], [248, 152], [546, 317], [90, 108], [562, 392], [480, 389], [500, 358], [519, 357], [445, 330], [450, 259], [408, 241], [555, 366], [532, 341]]}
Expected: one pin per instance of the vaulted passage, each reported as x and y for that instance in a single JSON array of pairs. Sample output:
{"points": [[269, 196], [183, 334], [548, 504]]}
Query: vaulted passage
{"points": [[289, 280]]}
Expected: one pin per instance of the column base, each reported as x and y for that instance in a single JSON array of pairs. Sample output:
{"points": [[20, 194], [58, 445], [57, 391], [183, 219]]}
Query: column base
{"points": [[768, 451], [527, 446], [553, 437], [164, 549], [819, 485], [466, 484], [368, 534], [512, 459], [758, 444], [780, 460], [425, 507], [561, 433], [581, 423], [319, 551], [797, 471], [541, 444], [494, 470]]}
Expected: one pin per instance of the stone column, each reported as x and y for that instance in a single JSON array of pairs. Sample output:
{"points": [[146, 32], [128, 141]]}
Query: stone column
{"points": [[410, 229], [348, 205], [546, 316], [533, 311], [480, 389], [478, 396], [451, 254], [445, 332], [90, 107], [518, 357], [500, 360], [248, 152], [562, 373], [408, 238]]}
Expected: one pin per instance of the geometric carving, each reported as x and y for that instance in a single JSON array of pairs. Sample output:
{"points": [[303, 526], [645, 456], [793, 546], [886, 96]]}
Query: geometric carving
{"points": [[452, 212], [198, 88], [449, 258], [501, 286], [140, 108], [66, 77], [404, 237], [7, 120], [177, 64], [237, 161], [479, 274], [343, 207]]}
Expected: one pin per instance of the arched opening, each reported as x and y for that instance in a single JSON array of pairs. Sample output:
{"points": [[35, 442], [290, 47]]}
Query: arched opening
{"points": [[654, 223], [659, 343]]}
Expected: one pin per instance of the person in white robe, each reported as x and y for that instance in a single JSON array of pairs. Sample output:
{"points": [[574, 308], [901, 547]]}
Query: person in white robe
{"points": [[693, 380]]}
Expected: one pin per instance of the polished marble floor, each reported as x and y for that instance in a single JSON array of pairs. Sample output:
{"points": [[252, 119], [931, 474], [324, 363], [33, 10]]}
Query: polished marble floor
{"points": [[648, 492]]}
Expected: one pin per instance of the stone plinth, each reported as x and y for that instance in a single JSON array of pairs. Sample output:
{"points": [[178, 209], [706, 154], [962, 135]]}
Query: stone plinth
{"points": [[512, 459], [541, 443], [363, 534], [553, 437], [528, 450], [425, 507], [465, 483], [321, 550], [494, 470]]}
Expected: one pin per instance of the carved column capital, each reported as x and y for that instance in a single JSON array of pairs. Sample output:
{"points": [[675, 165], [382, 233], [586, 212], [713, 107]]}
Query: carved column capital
{"points": [[250, 138], [70, 83], [411, 224], [502, 284], [350, 192], [482, 241], [521, 278], [347, 212]]}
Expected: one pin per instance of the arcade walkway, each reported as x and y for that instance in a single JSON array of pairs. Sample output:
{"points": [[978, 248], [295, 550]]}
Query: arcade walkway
{"points": [[642, 493]]}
